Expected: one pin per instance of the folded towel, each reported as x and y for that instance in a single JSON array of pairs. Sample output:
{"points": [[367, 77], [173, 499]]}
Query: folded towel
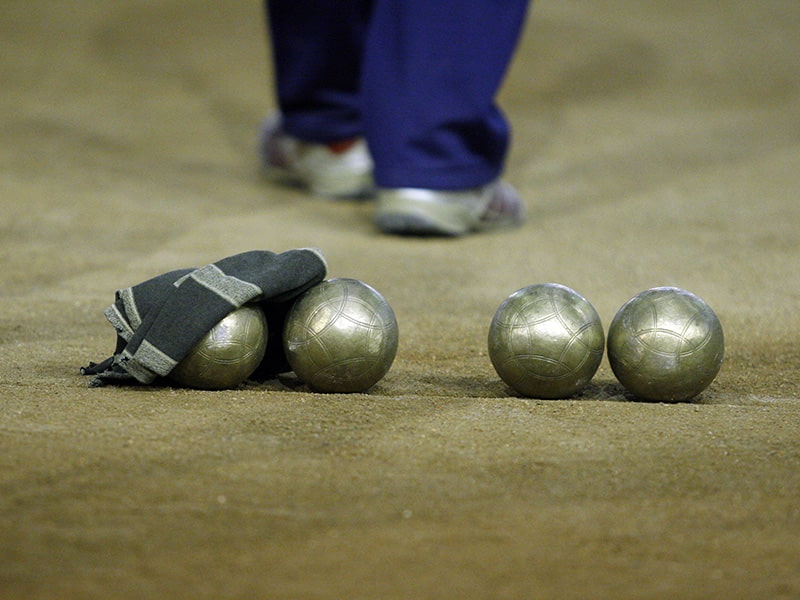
{"points": [[159, 320]]}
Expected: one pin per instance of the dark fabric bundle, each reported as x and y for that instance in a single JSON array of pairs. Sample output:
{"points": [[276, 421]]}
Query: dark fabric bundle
{"points": [[159, 320]]}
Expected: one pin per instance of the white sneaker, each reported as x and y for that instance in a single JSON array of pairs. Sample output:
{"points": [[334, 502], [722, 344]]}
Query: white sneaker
{"points": [[415, 211], [340, 170]]}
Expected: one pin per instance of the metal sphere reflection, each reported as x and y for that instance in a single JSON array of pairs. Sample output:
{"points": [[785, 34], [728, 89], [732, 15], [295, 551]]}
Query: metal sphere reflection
{"points": [[341, 336], [228, 354], [665, 344], [546, 341]]}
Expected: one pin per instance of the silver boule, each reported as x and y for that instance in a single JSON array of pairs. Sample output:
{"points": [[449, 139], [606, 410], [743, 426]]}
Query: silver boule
{"points": [[228, 354], [665, 344], [546, 341], [340, 336]]}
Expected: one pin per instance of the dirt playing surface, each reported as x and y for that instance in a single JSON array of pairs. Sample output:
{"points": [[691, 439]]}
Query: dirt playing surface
{"points": [[655, 144]]}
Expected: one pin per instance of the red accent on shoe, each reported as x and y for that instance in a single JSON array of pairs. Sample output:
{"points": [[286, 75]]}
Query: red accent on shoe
{"points": [[342, 146]]}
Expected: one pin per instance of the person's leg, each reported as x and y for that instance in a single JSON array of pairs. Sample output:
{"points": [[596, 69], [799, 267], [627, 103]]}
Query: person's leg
{"points": [[317, 48], [316, 140], [431, 73]]}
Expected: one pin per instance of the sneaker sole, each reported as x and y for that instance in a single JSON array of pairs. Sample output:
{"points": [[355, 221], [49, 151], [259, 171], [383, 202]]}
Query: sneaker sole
{"points": [[417, 217], [355, 187], [409, 216]]}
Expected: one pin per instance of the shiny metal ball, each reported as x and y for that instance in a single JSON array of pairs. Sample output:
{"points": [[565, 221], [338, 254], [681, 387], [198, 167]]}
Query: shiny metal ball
{"points": [[546, 341], [340, 336], [228, 354], [665, 344]]}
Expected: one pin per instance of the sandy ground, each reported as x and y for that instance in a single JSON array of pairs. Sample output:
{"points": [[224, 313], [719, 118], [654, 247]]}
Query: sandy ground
{"points": [[655, 144]]}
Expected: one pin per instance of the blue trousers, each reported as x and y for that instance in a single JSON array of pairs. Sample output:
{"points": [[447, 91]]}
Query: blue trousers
{"points": [[417, 78]]}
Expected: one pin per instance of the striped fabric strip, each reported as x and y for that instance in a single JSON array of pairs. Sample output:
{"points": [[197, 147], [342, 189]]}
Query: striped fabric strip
{"points": [[234, 290]]}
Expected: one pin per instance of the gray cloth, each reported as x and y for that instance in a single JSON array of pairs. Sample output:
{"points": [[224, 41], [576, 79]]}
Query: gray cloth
{"points": [[159, 320]]}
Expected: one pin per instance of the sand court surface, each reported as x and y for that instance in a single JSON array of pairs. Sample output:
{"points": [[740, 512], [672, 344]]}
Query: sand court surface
{"points": [[654, 144]]}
